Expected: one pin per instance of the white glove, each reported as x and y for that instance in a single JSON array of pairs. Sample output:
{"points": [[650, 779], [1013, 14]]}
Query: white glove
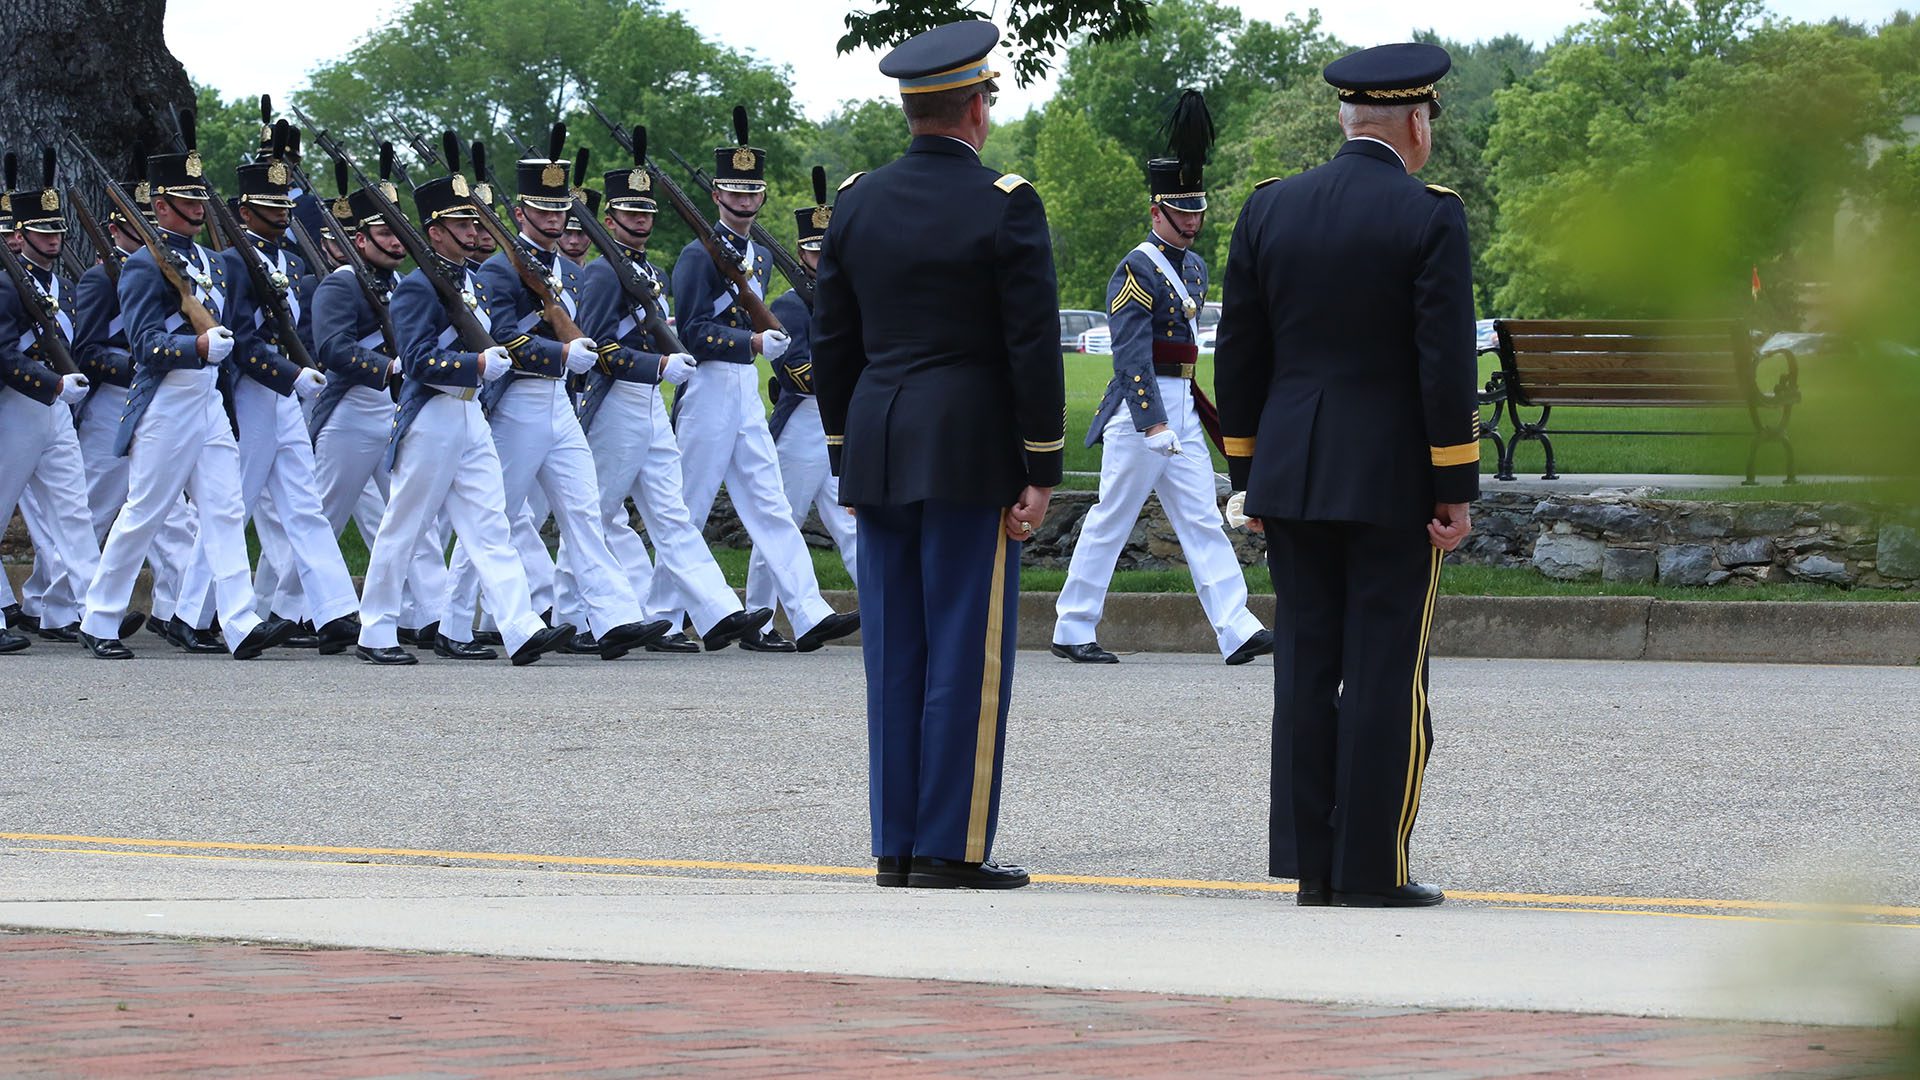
{"points": [[773, 344], [678, 369], [1163, 443], [393, 367], [1237, 509], [72, 388], [219, 344], [495, 363], [580, 355], [308, 383]]}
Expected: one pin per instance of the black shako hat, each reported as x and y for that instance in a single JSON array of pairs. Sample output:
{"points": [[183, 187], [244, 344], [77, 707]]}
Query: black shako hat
{"points": [[37, 209], [180, 175], [445, 196], [632, 188], [543, 181], [137, 190], [1177, 180], [944, 58], [1403, 74], [361, 208], [740, 167], [268, 182], [810, 222]]}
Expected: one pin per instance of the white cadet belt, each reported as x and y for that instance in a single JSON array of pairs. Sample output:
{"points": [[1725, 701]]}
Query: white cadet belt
{"points": [[59, 316], [726, 299], [1179, 286], [292, 295], [200, 272]]}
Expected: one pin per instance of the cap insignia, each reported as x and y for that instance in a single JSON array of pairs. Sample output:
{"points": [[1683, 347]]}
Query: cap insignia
{"points": [[821, 215], [744, 159], [277, 174], [460, 186], [193, 164], [49, 199], [554, 175]]}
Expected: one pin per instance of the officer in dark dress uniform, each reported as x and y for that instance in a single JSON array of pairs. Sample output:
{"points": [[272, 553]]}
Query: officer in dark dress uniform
{"points": [[1345, 377], [937, 370]]}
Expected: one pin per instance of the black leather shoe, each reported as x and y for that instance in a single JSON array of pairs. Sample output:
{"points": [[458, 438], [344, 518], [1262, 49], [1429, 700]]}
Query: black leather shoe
{"points": [[1412, 894], [736, 627], [107, 649], [582, 645], [828, 629], [12, 642], [891, 871], [130, 624], [338, 634], [394, 656], [679, 643], [268, 635], [1313, 893], [448, 649], [930, 873], [1089, 653], [767, 641], [422, 637], [488, 637], [304, 635], [69, 633], [553, 637], [204, 642], [1260, 644], [20, 621], [625, 638], [157, 627]]}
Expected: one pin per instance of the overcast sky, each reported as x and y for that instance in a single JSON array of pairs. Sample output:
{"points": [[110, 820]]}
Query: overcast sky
{"points": [[215, 48]]}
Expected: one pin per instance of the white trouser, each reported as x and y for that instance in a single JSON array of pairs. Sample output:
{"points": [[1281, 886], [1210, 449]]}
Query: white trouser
{"points": [[447, 464], [634, 453], [276, 462], [347, 457], [540, 444], [107, 492], [1128, 473], [49, 591], [40, 453], [724, 439], [183, 442], [525, 525], [810, 485]]}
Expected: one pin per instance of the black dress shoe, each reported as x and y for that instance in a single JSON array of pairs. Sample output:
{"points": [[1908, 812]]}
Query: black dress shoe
{"points": [[422, 637], [553, 637], [130, 624], [1313, 893], [1412, 894], [69, 633], [105, 649], [19, 620], [204, 642], [582, 645], [679, 643], [304, 636], [891, 871], [1089, 653], [623, 639], [393, 656], [828, 629], [268, 635], [158, 627], [1260, 644], [12, 642], [488, 637], [448, 649], [736, 627], [338, 634], [931, 873], [767, 641]]}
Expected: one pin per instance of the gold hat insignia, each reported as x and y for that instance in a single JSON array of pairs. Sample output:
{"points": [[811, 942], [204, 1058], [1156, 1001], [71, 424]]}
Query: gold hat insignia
{"points": [[194, 167], [277, 173], [483, 191], [387, 189], [143, 192], [745, 160], [343, 209], [460, 186], [638, 180], [554, 175], [821, 215], [49, 199]]}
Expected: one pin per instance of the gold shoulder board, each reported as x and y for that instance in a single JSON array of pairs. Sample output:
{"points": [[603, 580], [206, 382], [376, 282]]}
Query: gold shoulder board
{"points": [[848, 182], [1438, 190], [1011, 182], [1268, 180]]}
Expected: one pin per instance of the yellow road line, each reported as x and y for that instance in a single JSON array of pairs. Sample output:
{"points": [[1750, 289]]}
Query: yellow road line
{"points": [[1544, 901], [1699, 915]]}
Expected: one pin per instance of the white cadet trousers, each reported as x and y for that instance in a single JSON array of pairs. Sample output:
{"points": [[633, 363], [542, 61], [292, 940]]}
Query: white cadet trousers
{"points": [[634, 453], [50, 592], [276, 462], [723, 438], [40, 453], [541, 445], [107, 492], [1128, 473], [463, 597], [810, 485], [183, 442], [447, 464]]}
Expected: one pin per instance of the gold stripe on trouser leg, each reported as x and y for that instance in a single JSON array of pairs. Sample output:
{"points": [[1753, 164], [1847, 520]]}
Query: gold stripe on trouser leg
{"points": [[989, 703], [1417, 737]]}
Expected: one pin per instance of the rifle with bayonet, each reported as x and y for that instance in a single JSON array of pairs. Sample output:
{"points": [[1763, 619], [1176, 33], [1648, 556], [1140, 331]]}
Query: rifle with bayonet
{"points": [[362, 273], [519, 252], [798, 274], [172, 269], [460, 305], [637, 283], [102, 243], [728, 261], [41, 308]]}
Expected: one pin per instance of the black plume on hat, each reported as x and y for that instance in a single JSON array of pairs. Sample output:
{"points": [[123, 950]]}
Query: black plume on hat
{"points": [[477, 153], [340, 177], [266, 110], [281, 136], [189, 134], [580, 165], [48, 164], [1190, 134], [740, 124], [386, 161], [293, 144], [557, 141], [820, 185], [639, 144], [139, 169], [450, 150], [11, 168]]}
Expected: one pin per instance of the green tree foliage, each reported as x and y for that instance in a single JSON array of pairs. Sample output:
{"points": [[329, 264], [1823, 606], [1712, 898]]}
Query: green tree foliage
{"points": [[857, 137], [1096, 200], [1037, 28], [228, 133]]}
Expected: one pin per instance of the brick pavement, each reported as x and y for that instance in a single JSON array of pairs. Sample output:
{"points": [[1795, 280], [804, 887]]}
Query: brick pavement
{"points": [[85, 1005]]}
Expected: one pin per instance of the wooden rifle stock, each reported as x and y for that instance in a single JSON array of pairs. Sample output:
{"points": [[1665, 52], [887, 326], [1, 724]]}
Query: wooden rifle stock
{"points": [[551, 309], [53, 343], [102, 243], [797, 273], [195, 312]]}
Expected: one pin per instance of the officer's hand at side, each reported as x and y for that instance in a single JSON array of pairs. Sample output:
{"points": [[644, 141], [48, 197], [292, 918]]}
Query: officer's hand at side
{"points": [[773, 344], [72, 388], [308, 383], [494, 363], [677, 368], [1450, 525], [1026, 513], [580, 355], [215, 344], [1162, 441]]}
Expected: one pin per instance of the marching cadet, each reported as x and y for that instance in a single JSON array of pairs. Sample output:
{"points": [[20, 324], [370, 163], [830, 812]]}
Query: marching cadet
{"points": [[574, 242], [1151, 419], [39, 451], [719, 418], [795, 425], [442, 453], [1345, 371], [534, 425], [626, 424], [11, 640], [276, 452], [175, 428], [937, 368], [101, 351]]}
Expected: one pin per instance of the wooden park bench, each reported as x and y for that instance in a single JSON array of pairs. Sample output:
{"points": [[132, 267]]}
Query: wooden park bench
{"points": [[1674, 364]]}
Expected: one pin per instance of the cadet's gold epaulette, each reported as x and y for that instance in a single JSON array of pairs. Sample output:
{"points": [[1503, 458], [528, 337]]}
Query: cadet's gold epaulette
{"points": [[848, 182], [1439, 190], [1268, 180], [1011, 182]]}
